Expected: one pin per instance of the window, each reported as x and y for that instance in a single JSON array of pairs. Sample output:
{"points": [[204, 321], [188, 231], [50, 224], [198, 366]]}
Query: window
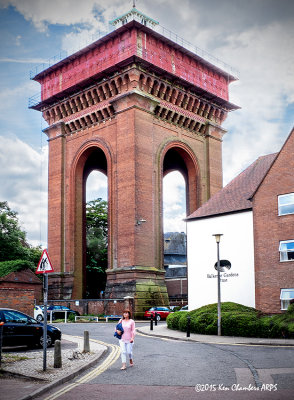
{"points": [[286, 250], [286, 296], [286, 204], [15, 316]]}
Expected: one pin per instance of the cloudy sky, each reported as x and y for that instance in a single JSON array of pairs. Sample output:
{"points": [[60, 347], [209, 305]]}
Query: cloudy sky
{"points": [[253, 36]]}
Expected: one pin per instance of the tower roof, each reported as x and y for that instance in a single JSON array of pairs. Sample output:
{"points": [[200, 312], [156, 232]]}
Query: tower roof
{"points": [[237, 194], [136, 38]]}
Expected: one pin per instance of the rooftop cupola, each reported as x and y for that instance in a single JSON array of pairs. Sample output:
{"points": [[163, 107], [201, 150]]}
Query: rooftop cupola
{"points": [[133, 15]]}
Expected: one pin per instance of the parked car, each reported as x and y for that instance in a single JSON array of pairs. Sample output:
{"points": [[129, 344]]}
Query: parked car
{"points": [[39, 313], [185, 308], [57, 312], [162, 312], [20, 329], [174, 308]]}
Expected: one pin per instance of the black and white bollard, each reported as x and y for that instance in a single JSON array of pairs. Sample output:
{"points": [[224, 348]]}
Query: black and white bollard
{"points": [[151, 323]]}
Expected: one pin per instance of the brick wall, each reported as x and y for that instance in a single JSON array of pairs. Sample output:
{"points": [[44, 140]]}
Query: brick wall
{"points": [[177, 287], [23, 280], [18, 298], [271, 275], [96, 307]]}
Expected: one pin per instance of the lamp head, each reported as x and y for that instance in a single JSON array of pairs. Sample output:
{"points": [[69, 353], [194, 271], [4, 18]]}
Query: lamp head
{"points": [[217, 237]]}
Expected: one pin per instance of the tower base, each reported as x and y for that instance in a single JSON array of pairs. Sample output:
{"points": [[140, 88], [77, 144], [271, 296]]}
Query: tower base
{"points": [[60, 286], [146, 285]]}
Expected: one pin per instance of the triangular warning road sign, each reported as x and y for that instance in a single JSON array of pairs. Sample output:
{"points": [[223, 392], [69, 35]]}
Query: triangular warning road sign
{"points": [[44, 265]]}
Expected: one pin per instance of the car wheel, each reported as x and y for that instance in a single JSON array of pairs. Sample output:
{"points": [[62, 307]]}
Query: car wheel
{"points": [[158, 317], [49, 340], [39, 317]]}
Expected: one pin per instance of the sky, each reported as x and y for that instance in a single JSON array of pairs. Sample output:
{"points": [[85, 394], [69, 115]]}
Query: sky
{"points": [[253, 36]]}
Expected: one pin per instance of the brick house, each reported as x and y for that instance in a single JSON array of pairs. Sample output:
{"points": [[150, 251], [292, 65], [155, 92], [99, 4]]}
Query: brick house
{"points": [[20, 290], [255, 214], [273, 220]]}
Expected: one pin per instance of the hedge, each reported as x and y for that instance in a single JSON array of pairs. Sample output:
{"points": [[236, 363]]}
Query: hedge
{"points": [[6, 267], [237, 320]]}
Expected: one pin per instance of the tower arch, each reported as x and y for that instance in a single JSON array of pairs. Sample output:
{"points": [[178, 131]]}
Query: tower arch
{"points": [[94, 155], [179, 156]]}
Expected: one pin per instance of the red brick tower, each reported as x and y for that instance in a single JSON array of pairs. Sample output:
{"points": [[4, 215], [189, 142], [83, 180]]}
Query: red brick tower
{"points": [[134, 105]]}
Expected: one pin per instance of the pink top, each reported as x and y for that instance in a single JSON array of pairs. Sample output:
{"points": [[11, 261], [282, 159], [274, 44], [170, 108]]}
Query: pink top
{"points": [[129, 330]]}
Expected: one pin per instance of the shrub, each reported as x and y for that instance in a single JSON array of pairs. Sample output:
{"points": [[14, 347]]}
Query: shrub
{"points": [[242, 324], [173, 320], [6, 267], [237, 320], [71, 317], [183, 321]]}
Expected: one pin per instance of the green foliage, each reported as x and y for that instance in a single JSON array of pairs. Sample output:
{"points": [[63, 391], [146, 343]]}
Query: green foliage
{"points": [[12, 238], [71, 317], [237, 320], [96, 237], [6, 267], [172, 320], [13, 244], [183, 322]]}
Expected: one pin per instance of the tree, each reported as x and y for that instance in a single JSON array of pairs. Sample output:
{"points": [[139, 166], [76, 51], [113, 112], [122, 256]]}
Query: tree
{"points": [[96, 237], [13, 244]]}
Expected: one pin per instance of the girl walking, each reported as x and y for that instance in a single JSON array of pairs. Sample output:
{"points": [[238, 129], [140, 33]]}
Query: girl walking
{"points": [[127, 339]]}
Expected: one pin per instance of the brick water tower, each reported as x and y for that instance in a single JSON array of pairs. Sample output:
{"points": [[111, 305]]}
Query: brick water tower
{"points": [[136, 104]]}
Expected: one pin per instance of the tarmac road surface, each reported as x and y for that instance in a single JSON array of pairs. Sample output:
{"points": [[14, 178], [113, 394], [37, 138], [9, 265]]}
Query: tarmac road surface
{"points": [[175, 370]]}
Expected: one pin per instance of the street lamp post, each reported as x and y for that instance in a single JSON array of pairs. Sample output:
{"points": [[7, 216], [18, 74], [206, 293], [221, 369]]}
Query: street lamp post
{"points": [[217, 239]]}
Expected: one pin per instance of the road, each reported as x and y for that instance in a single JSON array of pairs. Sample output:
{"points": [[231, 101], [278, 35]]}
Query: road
{"points": [[175, 370]]}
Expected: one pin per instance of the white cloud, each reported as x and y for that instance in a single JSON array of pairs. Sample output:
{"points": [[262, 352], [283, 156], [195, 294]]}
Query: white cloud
{"points": [[23, 60], [23, 183], [96, 186], [43, 12], [265, 90], [18, 40], [12, 97], [174, 202], [66, 12]]}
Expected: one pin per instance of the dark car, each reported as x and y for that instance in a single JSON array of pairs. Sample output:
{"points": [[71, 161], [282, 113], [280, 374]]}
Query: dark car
{"points": [[20, 329], [59, 312], [162, 312]]}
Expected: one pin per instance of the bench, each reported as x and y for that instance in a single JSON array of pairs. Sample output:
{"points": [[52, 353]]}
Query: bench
{"points": [[112, 317], [97, 319], [89, 317]]}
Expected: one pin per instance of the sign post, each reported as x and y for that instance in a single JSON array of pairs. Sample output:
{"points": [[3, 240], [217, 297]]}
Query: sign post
{"points": [[44, 267]]}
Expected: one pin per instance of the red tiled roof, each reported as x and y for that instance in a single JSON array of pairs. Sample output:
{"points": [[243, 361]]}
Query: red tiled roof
{"points": [[235, 196]]}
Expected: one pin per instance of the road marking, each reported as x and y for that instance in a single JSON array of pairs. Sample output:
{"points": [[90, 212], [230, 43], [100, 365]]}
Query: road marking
{"points": [[111, 359], [159, 337], [266, 374], [244, 377]]}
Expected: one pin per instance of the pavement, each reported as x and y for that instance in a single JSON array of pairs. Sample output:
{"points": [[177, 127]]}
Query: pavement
{"points": [[24, 387], [162, 331], [26, 380]]}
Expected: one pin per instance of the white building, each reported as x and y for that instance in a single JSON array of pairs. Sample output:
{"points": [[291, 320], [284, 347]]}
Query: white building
{"points": [[229, 213]]}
